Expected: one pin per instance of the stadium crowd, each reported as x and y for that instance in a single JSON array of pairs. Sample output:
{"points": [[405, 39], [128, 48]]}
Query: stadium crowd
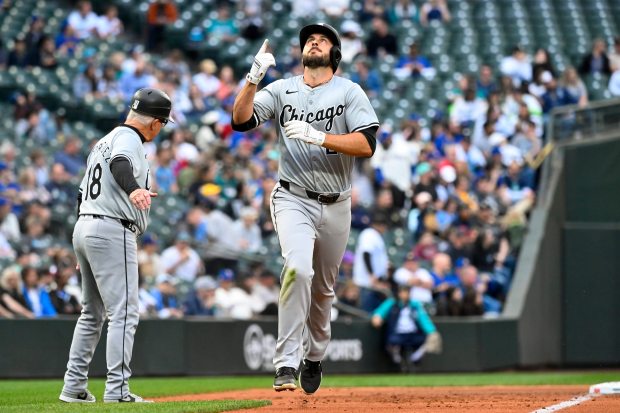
{"points": [[453, 190]]}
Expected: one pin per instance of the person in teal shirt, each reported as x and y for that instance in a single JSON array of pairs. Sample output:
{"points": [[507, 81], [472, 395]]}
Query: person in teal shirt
{"points": [[410, 332]]}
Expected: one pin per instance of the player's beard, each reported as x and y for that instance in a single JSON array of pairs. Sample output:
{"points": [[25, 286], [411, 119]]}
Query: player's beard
{"points": [[315, 61]]}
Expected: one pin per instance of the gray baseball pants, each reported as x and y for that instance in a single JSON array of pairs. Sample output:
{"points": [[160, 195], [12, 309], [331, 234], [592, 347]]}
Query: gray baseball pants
{"points": [[313, 238], [107, 254]]}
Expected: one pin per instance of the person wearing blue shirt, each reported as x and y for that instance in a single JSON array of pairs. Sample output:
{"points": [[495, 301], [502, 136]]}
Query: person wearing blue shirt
{"points": [[37, 298], [409, 330]]}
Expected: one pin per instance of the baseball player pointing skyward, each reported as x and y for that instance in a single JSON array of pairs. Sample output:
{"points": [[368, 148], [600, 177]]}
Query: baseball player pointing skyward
{"points": [[113, 208], [323, 122]]}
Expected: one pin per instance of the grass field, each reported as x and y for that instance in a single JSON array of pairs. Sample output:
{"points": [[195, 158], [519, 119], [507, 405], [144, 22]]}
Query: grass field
{"points": [[42, 395]]}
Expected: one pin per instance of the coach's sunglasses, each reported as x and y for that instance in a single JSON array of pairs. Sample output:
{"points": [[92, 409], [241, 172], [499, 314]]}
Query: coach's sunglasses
{"points": [[164, 122]]}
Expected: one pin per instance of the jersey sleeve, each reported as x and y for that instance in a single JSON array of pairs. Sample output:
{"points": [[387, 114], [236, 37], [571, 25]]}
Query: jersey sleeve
{"points": [[127, 146], [265, 102], [359, 112]]}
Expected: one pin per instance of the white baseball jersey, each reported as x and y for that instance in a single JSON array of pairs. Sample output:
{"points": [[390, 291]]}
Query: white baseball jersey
{"points": [[101, 194], [337, 107]]}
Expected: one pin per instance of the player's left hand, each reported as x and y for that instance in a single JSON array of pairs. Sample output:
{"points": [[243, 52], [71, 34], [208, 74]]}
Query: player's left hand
{"points": [[141, 198], [298, 129], [433, 343]]}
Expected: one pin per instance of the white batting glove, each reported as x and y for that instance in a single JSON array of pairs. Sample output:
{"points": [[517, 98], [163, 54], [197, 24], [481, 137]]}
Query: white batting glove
{"points": [[262, 62], [298, 129]]}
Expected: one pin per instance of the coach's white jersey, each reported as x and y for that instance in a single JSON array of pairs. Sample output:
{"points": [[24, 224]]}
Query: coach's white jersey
{"points": [[101, 195]]}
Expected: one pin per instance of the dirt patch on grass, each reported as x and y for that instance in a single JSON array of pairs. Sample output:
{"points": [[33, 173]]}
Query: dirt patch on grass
{"points": [[504, 399]]}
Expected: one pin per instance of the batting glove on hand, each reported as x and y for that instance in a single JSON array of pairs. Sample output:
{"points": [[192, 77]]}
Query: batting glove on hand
{"points": [[298, 129], [262, 61]]}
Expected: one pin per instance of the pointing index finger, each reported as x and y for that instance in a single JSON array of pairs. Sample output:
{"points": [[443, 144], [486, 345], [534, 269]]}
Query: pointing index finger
{"points": [[263, 48]]}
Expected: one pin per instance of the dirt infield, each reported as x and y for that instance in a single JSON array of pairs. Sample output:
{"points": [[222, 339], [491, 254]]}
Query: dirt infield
{"points": [[505, 399]]}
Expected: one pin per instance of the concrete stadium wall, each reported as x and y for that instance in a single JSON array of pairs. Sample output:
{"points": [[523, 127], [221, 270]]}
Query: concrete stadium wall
{"points": [[39, 348]]}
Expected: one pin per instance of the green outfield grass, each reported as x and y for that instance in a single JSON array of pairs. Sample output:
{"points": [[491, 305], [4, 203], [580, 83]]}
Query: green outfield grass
{"points": [[42, 395]]}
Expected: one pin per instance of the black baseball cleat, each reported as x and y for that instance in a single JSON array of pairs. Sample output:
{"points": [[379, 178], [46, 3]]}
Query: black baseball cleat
{"points": [[310, 376], [286, 379]]}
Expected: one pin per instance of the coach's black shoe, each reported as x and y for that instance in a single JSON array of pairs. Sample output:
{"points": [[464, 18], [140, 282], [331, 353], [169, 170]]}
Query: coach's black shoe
{"points": [[130, 398], [286, 379], [310, 376]]}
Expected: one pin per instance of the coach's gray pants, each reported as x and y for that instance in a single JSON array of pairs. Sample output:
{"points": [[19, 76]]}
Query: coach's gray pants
{"points": [[313, 238], [107, 254]]}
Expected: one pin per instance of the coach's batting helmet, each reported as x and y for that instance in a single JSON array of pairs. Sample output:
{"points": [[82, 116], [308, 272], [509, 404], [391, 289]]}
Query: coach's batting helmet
{"points": [[323, 28], [152, 102]]}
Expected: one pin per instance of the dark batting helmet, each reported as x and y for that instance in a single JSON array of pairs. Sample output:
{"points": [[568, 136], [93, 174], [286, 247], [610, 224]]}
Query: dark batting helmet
{"points": [[323, 28], [152, 102]]}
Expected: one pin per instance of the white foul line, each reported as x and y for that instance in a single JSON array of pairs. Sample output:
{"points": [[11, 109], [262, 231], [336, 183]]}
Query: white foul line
{"points": [[568, 403]]}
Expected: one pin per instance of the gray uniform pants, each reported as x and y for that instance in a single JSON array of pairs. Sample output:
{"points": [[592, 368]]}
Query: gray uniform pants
{"points": [[313, 238], [107, 254]]}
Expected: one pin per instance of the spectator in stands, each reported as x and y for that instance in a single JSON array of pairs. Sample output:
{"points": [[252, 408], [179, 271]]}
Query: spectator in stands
{"points": [[409, 330], [207, 82], [9, 224], [302, 8], [614, 83], [36, 31], [165, 295], [109, 25], [527, 141], [201, 301], [85, 84], [350, 39], [434, 10], [334, 8], [468, 108], [472, 289], [245, 231], [370, 269], [517, 66], [381, 42], [403, 10], [574, 86], [515, 183], [165, 178], [66, 41], [597, 60], [267, 291], [614, 55], [223, 27], [542, 63], [149, 259], [11, 293], [414, 65], [444, 282], [36, 296], [83, 20], [146, 302], [43, 54], [131, 81], [108, 85], [367, 77], [228, 83], [61, 190], [19, 54], [236, 301], [63, 301], [417, 278], [221, 251], [70, 157], [253, 23], [29, 190], [180, 260], [485, 83], [425, 248], [160, 14], [349, 294]]}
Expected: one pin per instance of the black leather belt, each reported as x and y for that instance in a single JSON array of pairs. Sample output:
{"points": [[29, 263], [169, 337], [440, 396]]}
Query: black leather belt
{"points": [[322, 198], [125, 223]]}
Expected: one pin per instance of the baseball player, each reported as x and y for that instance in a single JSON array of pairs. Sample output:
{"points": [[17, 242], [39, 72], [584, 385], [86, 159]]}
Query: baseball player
{"points": [[113, 208], [323, 122]]}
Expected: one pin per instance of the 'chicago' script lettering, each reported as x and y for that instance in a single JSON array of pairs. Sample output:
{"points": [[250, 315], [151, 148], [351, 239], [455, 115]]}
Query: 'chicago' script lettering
{"points": [[311, 117]]}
